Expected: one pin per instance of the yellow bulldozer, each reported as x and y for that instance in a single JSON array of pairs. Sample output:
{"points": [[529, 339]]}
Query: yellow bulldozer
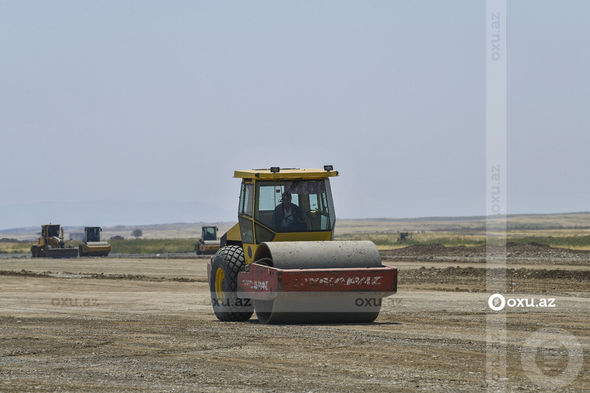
{"points": [[281, 261], [51, 244], [208, 243], [92, 245]]}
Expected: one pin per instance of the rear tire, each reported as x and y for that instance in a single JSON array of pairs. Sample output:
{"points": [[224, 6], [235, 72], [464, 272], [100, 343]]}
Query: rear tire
{"points": [[223, 284]]}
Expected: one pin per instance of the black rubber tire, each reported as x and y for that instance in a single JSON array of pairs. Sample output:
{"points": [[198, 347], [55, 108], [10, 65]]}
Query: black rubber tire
{"points": [[198, 248], [230, 260], [35, 251]]}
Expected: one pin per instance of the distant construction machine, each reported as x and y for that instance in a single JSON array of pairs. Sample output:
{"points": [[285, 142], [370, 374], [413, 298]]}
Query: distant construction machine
{"points": [[92, 245], [280, 259], [51, 244], [208, 243]]}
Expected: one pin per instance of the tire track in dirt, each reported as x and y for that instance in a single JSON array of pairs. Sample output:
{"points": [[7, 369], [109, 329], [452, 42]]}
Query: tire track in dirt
{"points": [[69, 275]]}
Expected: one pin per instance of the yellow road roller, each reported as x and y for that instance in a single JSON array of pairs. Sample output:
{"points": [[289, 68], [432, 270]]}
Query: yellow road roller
{"points": [[208, 243], [280, 259], [92, 245]]}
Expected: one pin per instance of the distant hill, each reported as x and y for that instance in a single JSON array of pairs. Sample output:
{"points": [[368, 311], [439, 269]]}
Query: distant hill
{"points": [[460, 224]]}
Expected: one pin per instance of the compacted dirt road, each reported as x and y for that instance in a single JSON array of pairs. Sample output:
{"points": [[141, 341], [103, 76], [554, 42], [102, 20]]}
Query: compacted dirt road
{"points": [[132, 324]]}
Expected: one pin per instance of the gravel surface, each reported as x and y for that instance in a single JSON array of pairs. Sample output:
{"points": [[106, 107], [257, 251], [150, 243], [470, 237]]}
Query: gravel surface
{"points": [[135, 325]]}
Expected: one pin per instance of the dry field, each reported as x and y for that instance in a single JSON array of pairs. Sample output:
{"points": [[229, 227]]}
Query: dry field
{"points": [[145, 324]]}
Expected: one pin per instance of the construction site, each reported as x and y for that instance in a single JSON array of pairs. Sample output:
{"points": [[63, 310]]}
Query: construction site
{"points": [[262, 196], [307, 315], [130, 324]]}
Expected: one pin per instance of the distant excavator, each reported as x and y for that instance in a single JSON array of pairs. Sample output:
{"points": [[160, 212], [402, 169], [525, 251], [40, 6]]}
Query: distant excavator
{"points": [[92, 245], [51, 244]]}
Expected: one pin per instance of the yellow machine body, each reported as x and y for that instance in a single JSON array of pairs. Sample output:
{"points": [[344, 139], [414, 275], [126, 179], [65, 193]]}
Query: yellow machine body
{"points": [[97, 249], [281, 259]]}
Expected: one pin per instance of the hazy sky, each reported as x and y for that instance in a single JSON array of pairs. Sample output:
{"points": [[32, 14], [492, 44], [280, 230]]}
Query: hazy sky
{"points": [[136, 112]]}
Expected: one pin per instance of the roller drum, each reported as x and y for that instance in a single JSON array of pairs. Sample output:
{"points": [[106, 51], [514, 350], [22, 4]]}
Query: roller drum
{"points": [[302, 307], [314, 307], [318, 254]]}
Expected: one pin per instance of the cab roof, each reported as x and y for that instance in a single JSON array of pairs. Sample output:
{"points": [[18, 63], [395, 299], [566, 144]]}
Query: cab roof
{"points": [[276, 173]]}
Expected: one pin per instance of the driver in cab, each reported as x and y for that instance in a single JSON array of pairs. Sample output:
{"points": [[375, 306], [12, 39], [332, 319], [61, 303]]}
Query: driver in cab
{"points": [[288, 216]]}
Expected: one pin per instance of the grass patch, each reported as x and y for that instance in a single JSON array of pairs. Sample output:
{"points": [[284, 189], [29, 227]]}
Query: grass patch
{"points": [[15, 247], [571, 242], [152, 246], [386, 241]]}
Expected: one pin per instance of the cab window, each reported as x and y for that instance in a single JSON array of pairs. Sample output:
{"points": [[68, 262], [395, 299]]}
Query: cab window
{"points": [[293, 206], [209, 234], [246, 199]]}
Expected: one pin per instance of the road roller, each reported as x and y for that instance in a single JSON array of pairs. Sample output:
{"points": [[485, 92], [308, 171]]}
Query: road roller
{"points": [[281, 261], [208, 243], [92, 245]]}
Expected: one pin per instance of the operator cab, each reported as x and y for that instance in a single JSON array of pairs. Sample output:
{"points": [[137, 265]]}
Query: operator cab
{"points": [[283, 205], [209, 233], [292, 206], [51, 230], [92, 234]]}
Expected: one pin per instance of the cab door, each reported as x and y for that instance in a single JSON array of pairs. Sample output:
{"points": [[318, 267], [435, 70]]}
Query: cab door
{"points": [[246, 220]]}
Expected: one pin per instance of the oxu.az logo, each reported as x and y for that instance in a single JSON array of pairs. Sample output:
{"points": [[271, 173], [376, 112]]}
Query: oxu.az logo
{"points": [[367, 302], [497, 302], [238, 302]]}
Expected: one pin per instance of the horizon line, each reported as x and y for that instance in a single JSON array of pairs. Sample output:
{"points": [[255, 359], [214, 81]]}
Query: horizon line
{"points": [[421, 218]]}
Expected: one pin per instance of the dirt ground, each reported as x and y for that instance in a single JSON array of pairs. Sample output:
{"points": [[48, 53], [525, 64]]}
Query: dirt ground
{"points": [[145, 324]]}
